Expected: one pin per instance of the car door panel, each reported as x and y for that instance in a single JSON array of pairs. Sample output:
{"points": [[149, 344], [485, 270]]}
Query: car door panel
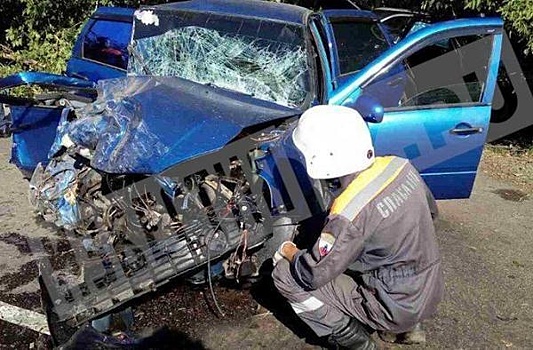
{"points": [[434, 33], [34, 120], [34, 130], [442, 119], [92, 70], [448, 162]]}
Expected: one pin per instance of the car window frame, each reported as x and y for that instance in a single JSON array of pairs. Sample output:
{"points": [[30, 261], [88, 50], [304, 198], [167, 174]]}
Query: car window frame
{"points": [[339, 75], [432, 40], [89, 29]]}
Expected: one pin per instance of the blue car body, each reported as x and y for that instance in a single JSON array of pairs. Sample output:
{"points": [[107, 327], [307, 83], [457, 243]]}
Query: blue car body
{"points": [[34, 126], [450, 174], [448, 160], [430, 137]]}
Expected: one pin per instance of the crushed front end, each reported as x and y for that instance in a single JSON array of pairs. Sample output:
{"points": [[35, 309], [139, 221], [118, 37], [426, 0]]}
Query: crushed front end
{"points": [[157, 178], [132, 221]]}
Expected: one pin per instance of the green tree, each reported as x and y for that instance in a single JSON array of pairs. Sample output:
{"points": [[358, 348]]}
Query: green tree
{"points": [[41, 33], [518, 16]]}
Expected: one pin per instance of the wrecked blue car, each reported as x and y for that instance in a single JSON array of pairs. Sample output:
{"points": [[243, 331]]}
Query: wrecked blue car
{"points": [[188, 161]]}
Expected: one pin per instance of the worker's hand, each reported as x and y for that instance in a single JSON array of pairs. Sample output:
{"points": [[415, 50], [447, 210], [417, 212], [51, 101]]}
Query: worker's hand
{"points": [[286, 250]]}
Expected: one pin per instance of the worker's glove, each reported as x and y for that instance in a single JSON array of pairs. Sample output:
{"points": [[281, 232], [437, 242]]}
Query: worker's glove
{"points": [[278, 255]]}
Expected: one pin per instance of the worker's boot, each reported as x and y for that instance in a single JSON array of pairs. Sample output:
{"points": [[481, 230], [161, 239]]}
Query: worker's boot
{"points": [[353, 336], [415, 336]]}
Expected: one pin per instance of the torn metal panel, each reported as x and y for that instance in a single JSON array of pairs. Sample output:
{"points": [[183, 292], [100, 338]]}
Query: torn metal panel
{"points": [[144, 125], [33, 129], [53, 192], [268, 62], [33, 120], [127, 144]]}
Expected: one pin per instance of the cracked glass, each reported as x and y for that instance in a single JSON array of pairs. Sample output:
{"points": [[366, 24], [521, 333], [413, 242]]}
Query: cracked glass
{"points": [[264, 59]]}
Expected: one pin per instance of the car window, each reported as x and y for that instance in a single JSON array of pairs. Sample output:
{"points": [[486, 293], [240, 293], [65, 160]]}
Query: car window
{"points": [[266, 59], [107, 42], [446, 72], [358, 42]]}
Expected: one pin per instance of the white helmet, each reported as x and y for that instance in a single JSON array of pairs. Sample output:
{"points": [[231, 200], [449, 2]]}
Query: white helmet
{"points": [[334, 140]]}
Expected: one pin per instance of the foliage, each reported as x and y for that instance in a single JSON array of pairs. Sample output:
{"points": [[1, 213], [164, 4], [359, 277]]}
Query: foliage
{"points": [[518, 14], [39, 34]]}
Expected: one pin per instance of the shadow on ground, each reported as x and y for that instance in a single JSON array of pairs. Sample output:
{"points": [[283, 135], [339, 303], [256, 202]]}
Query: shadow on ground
{"points": [[265, 293]]}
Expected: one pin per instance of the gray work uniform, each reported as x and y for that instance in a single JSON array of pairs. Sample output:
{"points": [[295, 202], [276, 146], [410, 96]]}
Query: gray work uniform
{"points": [[377, 257]]}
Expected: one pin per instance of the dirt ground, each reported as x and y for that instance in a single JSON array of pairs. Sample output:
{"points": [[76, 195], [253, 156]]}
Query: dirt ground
{"points": [[486, 245], [510, 164]]}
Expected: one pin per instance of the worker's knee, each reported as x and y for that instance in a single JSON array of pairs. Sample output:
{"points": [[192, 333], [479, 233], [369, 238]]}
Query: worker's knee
{"points": [[283, 280]]}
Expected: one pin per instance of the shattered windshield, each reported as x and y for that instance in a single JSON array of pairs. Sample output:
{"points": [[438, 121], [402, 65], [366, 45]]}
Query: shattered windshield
{"points": [[265, 59]]}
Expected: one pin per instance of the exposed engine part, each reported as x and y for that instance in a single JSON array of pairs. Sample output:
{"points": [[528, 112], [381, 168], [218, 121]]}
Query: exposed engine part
{"points": [[240, 264], [135, 238], [63, 99]]}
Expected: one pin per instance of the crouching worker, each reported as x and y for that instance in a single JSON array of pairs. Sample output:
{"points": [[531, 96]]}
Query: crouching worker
{"points": [[376, 265]]}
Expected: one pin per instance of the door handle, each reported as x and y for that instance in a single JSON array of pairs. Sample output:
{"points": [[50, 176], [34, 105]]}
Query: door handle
{"points": [[467, 131]]}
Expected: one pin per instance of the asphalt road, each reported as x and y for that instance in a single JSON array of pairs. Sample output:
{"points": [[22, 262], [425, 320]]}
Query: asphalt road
{"points": [[487, 251]]}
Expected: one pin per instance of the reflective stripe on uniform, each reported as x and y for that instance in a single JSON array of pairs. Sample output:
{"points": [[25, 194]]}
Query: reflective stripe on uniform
{"points": [[367, 185], [310, 304]]}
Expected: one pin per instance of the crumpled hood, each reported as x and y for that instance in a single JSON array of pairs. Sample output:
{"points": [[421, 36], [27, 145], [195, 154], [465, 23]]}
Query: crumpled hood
{"points": [[148, 124]]}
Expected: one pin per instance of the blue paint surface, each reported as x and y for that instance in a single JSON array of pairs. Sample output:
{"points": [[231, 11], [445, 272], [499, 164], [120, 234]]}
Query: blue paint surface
{"points": [[34, 132], [44, 79], [182, 119], [253, 8], [189, 120], [412, 151]]}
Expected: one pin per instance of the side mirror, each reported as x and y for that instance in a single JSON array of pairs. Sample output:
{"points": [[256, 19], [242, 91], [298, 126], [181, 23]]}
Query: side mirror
{"points": [[370, 108]]}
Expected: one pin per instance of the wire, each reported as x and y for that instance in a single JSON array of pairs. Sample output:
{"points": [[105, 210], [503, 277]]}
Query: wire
{"points": [[209, 280], [211, 283]]}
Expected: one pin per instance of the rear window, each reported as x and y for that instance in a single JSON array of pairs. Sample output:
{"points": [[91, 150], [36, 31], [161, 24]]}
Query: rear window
{"points": [[358, 43], [106, 42]]}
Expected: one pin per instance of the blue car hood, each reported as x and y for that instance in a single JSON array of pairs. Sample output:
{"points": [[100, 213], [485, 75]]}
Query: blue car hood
{"points": [[148, 124]]}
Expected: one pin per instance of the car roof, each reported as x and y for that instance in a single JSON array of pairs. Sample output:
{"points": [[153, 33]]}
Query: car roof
{"points": [[114, 13], [352, 13], [253, 8]]}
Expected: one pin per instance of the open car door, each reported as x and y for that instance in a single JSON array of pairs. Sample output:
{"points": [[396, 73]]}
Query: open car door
{"points": [[33, 121], [448, 74]]}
